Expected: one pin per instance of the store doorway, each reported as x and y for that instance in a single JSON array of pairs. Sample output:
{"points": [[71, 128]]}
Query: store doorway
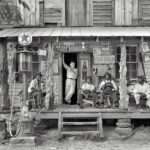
{"points": [[68, 57]]}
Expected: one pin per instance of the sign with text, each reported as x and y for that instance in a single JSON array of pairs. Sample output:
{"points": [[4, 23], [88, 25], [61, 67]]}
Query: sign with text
{"points": [[145, 47], [104, 59], [42, 52]]}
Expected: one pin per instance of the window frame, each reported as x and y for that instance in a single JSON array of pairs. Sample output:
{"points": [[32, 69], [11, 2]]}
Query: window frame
{"points": [[128, 62]]}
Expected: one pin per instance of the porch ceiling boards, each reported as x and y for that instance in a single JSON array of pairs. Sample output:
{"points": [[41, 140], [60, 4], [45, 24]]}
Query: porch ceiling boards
{"points": [[79, 32]]}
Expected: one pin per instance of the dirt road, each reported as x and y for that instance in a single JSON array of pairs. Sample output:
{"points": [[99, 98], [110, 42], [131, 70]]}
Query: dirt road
{"points": [[139, 141]]}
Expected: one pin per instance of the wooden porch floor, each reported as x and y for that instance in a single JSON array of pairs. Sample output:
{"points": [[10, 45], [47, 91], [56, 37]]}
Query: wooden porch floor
{"points": [[107, 113]]}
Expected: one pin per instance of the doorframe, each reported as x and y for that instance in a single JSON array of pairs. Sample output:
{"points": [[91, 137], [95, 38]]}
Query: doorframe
{"points": [[77, 82]]}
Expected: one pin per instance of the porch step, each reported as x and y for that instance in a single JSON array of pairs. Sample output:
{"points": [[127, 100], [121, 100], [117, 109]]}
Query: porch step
{"points": [[79, 123], [78, 132], [78, 116]]}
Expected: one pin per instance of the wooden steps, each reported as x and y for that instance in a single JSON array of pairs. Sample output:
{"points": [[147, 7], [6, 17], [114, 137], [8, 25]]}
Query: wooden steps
{"points": [[79, 117]]}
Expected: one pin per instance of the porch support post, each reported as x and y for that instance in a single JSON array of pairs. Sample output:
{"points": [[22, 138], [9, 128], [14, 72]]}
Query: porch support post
{"points": [[49, 78], [4, 92], [123, 103]]}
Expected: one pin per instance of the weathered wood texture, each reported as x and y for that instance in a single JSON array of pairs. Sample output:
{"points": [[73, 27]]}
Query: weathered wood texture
{"points": [[3, 75], [54, 12], [49, 76], [102, 12], [4, 21], [79, 116], [122, 84], [76, 12], [126, 12], [144, 12], [32, 17]]}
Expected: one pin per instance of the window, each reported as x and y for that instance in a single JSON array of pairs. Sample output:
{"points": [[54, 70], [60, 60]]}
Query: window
{"points": [[132, 61]]}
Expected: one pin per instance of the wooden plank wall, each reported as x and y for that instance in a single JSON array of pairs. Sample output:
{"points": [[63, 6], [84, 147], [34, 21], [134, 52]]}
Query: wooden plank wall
{"points": [[126, 12], [32, 17], [76, 15], [144, 12], [3, 23], [54, 12]]}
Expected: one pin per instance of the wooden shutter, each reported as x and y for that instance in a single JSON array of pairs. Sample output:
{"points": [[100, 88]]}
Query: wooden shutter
{"points": [[102, 12], [54, 12], [144, 12]]}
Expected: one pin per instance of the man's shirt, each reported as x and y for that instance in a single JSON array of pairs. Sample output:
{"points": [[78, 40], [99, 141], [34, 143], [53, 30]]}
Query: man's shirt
{"points": [[139, 88], [34, 84], [102, 84], [71, 74], [88, 86]]}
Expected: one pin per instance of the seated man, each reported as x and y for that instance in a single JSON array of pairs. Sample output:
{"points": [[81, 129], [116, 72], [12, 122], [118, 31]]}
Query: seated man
{"points": [[108, 90], [87, 94], [141, 92], [35, 90]]}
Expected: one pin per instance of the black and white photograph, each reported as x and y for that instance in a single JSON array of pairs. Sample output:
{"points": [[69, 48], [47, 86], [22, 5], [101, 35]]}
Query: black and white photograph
{"points": [[74, 74]]}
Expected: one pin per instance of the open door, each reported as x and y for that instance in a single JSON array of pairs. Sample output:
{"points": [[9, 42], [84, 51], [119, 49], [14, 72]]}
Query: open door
{"points": [[68, 57]]}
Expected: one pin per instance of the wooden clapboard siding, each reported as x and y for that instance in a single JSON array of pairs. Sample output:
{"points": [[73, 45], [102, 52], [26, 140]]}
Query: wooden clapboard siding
{"points": [[144, 12], [54, 12], [102, 12]]}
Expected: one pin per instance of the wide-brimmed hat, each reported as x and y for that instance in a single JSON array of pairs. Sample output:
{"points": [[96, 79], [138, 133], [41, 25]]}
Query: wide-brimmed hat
{"points": [[39, 73], [142, 77], [89, 77], [107, 73]]}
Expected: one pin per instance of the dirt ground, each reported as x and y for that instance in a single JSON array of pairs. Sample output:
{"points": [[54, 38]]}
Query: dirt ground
{"points": [[138, 141]]}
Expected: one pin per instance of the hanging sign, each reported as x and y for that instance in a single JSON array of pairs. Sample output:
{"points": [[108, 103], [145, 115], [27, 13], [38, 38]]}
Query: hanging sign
{"points": [[25, 39], [145, 47], [42, 52]]}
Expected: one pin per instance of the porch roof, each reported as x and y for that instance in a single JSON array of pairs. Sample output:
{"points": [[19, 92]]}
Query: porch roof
{"points": [[79, 32]]}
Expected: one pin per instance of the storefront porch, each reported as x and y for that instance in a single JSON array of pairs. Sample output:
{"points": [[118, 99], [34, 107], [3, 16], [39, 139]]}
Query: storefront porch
{"points": [[107, 113]]}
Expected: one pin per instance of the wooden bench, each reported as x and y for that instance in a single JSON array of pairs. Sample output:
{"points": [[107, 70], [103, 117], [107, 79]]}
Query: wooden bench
{"points": [[80, 116]]}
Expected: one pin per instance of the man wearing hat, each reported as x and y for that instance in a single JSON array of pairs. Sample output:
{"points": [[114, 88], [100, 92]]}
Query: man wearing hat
{"points": [[141, 92], [108, 90], [87, 94], [35, 90]]}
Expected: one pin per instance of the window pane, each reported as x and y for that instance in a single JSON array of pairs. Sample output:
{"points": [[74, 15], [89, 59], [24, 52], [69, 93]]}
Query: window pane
{"points": [[131, 66], [118, 58], [131, 58], [118, 50], [131, 49], [35, 58], [117, 70]]}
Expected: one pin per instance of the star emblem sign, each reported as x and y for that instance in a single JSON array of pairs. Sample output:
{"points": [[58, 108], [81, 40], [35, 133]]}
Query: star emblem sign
{"points": [[25, 39]]}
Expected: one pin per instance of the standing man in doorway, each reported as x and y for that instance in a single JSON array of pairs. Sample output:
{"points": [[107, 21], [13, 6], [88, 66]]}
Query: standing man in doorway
{"points": [[72, 74]]}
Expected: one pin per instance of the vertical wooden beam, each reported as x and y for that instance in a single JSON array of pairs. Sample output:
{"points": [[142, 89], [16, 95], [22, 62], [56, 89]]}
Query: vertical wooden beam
{"points": [[3, 74], [123, 104], [49, 76]]}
